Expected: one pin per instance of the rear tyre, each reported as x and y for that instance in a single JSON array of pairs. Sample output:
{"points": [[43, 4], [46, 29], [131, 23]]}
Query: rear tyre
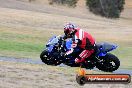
{"points": [[108, 63]]}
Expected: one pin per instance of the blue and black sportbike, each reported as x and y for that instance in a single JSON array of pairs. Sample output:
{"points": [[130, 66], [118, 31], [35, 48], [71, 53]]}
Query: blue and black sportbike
{"points": [[54, 54]]}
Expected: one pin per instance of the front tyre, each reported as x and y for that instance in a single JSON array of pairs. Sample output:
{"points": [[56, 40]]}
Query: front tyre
{"points": [[108, 63], [49, 59], [44, 56]]}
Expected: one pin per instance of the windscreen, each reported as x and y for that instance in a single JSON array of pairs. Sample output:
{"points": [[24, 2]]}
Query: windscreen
{"points": [[53, 41]]}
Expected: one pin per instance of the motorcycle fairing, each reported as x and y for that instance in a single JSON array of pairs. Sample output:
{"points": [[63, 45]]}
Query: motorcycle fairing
{"points": [[50, 45], [68, 43], [105, 47]]}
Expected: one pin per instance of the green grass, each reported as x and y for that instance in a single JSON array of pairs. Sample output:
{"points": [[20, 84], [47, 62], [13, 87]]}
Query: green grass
{"points": [[20, 49], [23, 43], [20, 46]]}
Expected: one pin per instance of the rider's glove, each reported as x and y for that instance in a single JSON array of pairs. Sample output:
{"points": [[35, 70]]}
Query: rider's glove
{"points": [[69, 52]]}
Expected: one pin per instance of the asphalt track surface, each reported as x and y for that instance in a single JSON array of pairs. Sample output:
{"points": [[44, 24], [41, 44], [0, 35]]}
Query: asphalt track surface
{"points": [[38, 61]]}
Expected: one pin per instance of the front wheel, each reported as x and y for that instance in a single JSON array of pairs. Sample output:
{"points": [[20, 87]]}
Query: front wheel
{"points": [[108, 63], [49, 59]]}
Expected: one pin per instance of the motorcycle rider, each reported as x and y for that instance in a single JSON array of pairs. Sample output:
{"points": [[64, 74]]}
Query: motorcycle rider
{"points": [[80, 38]]}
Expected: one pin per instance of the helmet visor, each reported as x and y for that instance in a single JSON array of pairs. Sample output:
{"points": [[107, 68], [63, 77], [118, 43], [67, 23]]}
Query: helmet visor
{"points": [[66, 32]]}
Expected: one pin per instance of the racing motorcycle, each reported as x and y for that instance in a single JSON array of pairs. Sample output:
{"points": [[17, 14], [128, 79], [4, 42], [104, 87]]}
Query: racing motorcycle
{"points": [[101, 58]]}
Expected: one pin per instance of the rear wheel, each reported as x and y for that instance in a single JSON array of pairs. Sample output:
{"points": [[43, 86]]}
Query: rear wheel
{"points": [[108, 63]]}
